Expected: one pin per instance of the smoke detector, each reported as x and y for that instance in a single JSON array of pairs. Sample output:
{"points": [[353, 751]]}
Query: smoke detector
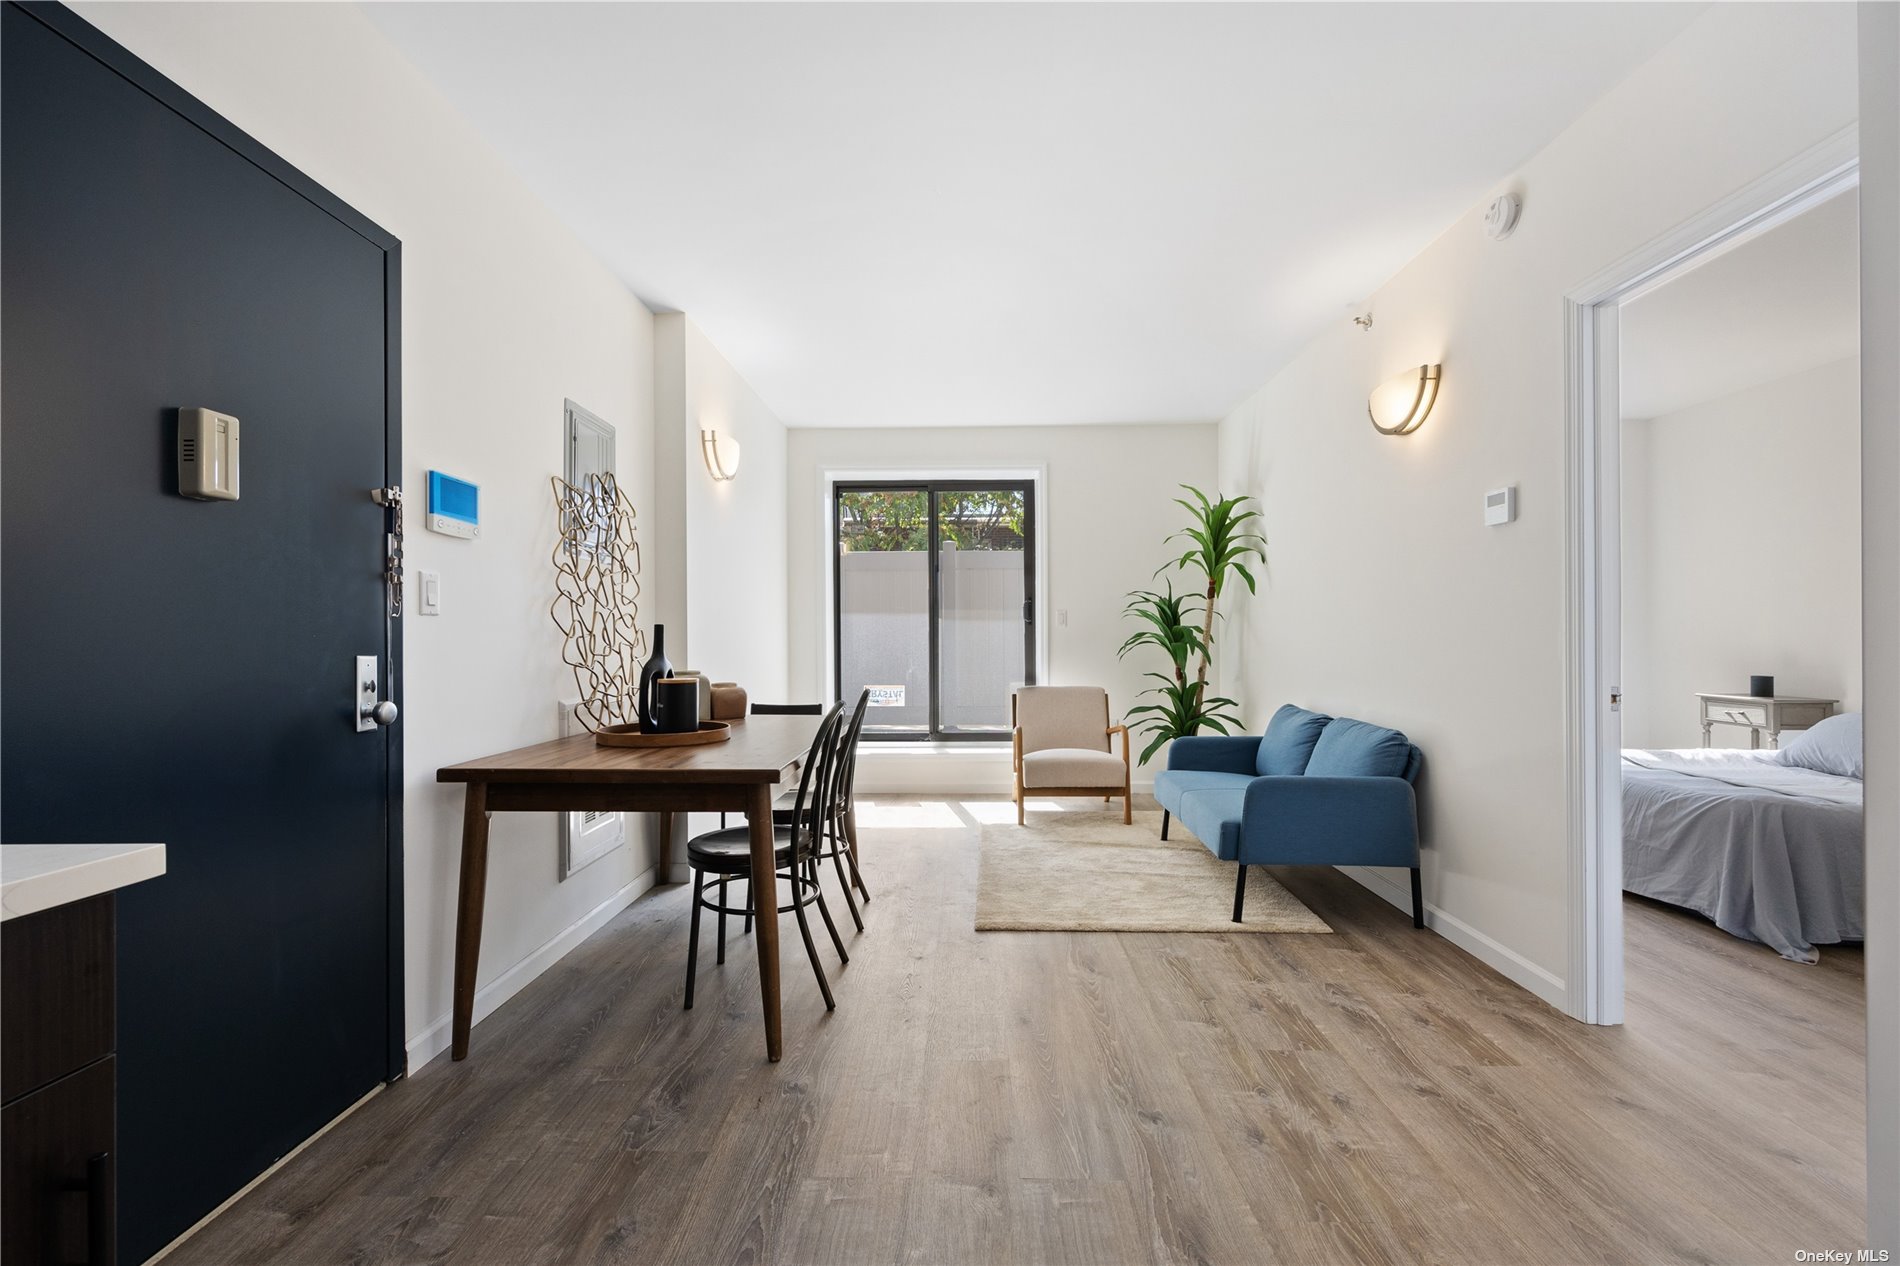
{"points": [[1501, 216]]}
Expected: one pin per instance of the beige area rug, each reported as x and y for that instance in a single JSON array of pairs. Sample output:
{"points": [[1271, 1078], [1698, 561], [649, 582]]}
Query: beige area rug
{"points": [[1085, 872]]}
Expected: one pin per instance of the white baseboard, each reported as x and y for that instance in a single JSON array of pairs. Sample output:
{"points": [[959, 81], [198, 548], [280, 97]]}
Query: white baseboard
{"points": [[945, 769], [1512, 965], [432, 1041]]}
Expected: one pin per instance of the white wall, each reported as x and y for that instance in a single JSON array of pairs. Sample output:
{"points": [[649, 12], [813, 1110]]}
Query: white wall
{"points": [[725, 540], [1387, 598], [1741, 535], [719, 545], [504, 315], [1880, 498], [1107, 503]]}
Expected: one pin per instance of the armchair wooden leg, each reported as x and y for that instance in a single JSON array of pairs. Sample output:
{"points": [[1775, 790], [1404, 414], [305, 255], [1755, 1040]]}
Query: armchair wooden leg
{"points": [[1019, 799], [1128, 785], [1164, 824], [1240, 891], [1418, 900]]}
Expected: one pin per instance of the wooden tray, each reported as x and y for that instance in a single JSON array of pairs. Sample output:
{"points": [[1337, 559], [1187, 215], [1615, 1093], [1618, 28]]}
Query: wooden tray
{"points": [[633, 736]]}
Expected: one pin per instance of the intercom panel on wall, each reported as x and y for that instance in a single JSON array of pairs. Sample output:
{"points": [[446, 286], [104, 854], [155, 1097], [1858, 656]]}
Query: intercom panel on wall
{"points": [[454, 507], [207, 455]]}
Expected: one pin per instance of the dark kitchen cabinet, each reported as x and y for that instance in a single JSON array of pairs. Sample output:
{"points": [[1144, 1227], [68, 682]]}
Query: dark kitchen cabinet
{"points": [[58, 1082]]}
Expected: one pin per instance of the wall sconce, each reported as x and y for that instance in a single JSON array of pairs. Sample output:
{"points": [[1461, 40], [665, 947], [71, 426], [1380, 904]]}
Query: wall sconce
{"points": [[1400, 406], [722, 455]]}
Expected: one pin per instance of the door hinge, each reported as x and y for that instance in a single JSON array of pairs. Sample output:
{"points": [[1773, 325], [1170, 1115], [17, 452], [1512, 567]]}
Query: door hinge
{"points": [[1616, 699], [390, 499]]}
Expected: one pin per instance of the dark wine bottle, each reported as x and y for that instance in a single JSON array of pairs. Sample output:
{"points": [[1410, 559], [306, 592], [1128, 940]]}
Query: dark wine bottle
{"points": [[657, 665]]}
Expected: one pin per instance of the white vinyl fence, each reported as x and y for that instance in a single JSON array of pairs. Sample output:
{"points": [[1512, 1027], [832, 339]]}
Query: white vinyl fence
{"points": [[884, 635]]}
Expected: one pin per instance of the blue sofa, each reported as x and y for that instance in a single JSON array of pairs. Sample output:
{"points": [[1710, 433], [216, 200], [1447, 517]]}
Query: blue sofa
{"points": [[1313, 790]]}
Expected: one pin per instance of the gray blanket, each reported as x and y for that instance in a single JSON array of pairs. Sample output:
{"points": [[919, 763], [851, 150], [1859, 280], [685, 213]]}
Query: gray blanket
{"points": [[1770, 852]]}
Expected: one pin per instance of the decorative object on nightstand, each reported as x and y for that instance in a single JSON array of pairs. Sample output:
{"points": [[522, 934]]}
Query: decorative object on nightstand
{"points": [[1762, 714], [1762, 687]]}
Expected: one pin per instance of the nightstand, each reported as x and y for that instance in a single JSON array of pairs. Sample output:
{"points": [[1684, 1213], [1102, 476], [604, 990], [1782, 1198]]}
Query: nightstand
{"points": [[1771, 715]]}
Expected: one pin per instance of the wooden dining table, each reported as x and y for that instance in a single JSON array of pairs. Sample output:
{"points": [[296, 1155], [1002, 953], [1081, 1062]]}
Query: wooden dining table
{"points": [[570, 775]]}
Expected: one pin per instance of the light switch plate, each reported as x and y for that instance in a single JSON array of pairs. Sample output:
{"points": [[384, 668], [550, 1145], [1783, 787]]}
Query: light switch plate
{"points": [[428, 593]]}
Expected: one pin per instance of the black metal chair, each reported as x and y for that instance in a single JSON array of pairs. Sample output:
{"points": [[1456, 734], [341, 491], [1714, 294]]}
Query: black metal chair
{"points": [[781, 710], [834, 843], [727, 853]]}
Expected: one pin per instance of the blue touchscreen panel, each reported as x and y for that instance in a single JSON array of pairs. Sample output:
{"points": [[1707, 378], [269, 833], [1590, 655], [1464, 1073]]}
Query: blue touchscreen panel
{"points": [[453, 498]]}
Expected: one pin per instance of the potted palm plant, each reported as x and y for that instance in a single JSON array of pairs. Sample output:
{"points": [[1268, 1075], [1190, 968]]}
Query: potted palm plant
{"points": [[1218, 542]]}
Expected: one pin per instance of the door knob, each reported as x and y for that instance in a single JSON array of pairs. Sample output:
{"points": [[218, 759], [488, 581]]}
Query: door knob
{"points": [[383, 713]]}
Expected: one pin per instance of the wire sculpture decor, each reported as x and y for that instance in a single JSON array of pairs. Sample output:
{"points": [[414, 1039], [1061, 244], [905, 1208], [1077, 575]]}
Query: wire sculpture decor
{"points": [[596, 599]]}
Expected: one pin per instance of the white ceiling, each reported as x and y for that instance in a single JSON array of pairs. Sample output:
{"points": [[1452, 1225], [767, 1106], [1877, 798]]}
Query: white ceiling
{"points": [[936, 214], [1780, 303]]}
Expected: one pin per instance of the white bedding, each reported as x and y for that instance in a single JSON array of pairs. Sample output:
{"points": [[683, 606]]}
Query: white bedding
{"points": [[1770, 852], [1751, 769]]}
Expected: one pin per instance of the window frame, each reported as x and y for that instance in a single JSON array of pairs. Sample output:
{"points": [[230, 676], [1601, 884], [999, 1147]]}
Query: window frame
{"points": [[931, 487]]}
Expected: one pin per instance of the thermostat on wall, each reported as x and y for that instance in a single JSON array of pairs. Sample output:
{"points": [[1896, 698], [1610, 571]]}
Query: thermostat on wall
{"points": [[1500, 506], [454, 506]]}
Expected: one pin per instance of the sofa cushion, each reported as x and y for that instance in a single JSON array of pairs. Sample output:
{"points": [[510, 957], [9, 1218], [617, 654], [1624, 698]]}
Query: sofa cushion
{"points": [[1073, 767], [1172, 784], [1289, 741], [1353, 749], [1213, 815]]}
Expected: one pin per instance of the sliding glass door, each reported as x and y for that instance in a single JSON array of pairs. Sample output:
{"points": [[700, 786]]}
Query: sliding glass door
{"points": [[934, 611]]}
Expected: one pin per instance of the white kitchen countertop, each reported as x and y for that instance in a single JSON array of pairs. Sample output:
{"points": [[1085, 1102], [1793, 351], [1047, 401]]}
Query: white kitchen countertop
{"points": [[35, 877]]}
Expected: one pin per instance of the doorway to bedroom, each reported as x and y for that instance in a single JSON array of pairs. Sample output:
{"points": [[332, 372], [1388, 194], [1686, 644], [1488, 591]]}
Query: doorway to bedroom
{"points": [[1740, 453], [1738, 389]]}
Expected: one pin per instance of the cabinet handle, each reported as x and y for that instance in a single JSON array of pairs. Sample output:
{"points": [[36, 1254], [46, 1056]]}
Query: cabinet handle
{"points": [[100, 1249]]}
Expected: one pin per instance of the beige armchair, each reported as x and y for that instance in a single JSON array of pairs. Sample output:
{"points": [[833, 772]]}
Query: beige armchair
{"points": [[1060, 745]]}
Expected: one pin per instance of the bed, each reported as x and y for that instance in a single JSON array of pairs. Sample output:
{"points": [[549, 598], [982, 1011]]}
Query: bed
{"points": [[1768, 848]]}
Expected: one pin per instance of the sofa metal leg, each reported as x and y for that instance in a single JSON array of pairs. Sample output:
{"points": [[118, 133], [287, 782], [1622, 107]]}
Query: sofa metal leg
{"points": [[1240, 891], [1418, 900], [1164, 824]]}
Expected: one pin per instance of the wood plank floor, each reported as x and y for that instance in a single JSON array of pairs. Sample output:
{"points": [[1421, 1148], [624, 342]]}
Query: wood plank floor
{"points": [[1371, 1096]]}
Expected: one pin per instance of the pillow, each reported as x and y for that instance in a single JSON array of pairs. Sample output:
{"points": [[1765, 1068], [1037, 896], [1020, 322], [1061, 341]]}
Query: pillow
{"points": [[1353, 749], [1289, 741], [1830, 747]]}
